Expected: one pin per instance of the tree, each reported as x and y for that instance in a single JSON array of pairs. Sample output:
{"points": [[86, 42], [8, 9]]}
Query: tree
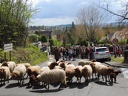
{"points": [[123, 14], [33, 38], [14, 18], [43, 39], [90, 18], [72, 33]]}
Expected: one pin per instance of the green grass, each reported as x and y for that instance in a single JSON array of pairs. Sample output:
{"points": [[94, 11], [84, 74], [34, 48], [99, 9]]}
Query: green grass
{"points": [[117, 59], [30, 54]]}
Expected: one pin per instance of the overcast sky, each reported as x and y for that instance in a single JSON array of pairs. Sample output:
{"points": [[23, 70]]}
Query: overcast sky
{"points": [[57, 12]]}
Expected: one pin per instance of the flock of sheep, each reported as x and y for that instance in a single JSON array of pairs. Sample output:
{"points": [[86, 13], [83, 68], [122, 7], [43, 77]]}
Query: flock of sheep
{"points": [[56, 72]]}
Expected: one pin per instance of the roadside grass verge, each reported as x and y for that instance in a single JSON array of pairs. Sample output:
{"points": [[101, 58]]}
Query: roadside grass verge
{"points": [[30, 54], [117, 59]]}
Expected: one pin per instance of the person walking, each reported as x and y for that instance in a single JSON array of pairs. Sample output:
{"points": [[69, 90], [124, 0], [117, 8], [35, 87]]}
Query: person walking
{"points": [[56, 54]]}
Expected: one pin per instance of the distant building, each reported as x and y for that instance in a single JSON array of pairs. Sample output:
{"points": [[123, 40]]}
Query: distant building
{"points": [[47, 33], [109, 36], [123, 34]]}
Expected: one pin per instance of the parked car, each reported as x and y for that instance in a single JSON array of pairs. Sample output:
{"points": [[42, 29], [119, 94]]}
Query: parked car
{"points": [[102, 53]]}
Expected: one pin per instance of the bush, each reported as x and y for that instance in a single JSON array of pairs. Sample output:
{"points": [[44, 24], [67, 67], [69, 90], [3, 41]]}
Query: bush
{"points": [[43, 39], [33, 38]]}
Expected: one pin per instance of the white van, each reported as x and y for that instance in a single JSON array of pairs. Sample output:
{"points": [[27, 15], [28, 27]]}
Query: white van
{"points": [[101, 53]]}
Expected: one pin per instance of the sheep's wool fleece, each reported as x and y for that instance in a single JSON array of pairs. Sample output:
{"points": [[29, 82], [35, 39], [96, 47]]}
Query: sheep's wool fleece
{"points": [[52, 76]]}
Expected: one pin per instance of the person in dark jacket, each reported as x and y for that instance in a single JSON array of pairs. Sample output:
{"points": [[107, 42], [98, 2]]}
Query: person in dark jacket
{"points": [[56, 54]]}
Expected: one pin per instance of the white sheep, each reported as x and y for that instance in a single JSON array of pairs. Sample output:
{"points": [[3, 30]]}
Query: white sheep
{"points": [[84, 62], [26, 64], [45, 68], [19, 73], [10, 64], [87, 72], [52, 76], [70, 72], [103, 70], [4, 73]]}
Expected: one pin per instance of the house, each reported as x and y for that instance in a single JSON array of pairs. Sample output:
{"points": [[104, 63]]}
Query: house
{"points": [[47, 33], [123, 34], [109, 36]]}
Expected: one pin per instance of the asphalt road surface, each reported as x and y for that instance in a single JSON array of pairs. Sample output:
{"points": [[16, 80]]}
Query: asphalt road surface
{"points": [[93, 88]]}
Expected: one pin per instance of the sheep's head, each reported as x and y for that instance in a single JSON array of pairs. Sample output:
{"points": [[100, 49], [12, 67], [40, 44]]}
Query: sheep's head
{"points": [[2, 71], [62, 64], [77, 70], [53, 64], [84, 70], [94, 60], [5, 63], [69, 63], [117, 72], [29, 72], [38, 78]]}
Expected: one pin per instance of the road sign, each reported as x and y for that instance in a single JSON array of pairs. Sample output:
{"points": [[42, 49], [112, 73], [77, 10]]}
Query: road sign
{"points": [[115, 41], [8, 47]]}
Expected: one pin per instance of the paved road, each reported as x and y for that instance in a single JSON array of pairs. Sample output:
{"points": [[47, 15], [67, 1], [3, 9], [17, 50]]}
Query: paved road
{"points": [[94, 88]]}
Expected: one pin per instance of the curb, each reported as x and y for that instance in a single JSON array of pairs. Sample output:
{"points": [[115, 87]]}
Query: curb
{"points": [[120, 66]]}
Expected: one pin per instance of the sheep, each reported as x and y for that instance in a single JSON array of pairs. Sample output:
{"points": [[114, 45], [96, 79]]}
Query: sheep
{"points": [[87, 72], [32, 79], [52, 65], [70, 72], [78, 73], [32, 69], [33, 75], [26, 64], [10, 64], [60, 61], [103, 70], [52, 76], [114, 75], [62, 65], [4, 73], [84, 62], [94, 66], [45, 68], [19, 73]]}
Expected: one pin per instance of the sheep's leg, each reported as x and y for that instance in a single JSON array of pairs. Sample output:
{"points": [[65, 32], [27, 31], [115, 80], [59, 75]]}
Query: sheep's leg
{"points": [[102, 77], [47, 87], [4, 81], [106, 79], [8, 80], [98, 76], [22, 80], [85, 79], [111, 80], [60, 85], [1, 80], [77, 79], [115, 79], [92, 75], [80, 79]]}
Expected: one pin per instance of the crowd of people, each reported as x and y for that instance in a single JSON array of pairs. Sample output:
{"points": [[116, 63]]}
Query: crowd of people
{"points": [[83, 52]]}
